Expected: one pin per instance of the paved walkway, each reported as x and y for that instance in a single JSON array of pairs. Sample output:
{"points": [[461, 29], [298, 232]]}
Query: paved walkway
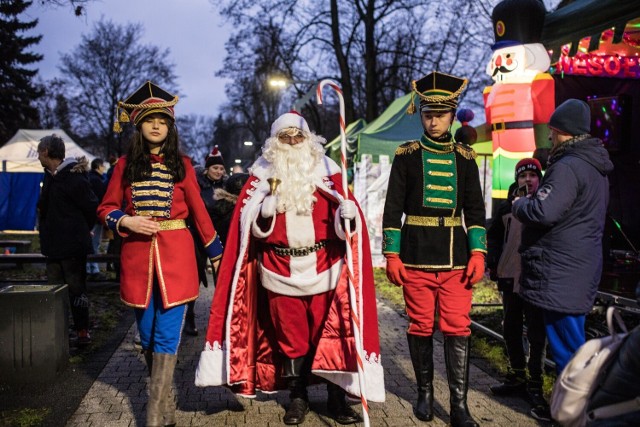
{"points": [[119, 395]]}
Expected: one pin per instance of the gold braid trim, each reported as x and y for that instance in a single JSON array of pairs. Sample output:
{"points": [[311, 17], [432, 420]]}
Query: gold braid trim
{"points": [[171, 103], [439, 98], [407, 148], [466, 151]]}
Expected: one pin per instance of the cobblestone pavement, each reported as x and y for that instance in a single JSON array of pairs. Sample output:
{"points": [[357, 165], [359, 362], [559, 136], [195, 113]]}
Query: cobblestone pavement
{"points": [[119, 395]]}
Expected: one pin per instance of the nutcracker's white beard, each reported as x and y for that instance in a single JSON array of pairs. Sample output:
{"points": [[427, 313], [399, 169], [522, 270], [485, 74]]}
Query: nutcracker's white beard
{"points": [[294, 165]]}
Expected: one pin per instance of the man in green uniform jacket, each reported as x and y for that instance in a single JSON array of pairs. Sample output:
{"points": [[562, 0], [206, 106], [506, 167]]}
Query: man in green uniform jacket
{"points": [[437, 254]]}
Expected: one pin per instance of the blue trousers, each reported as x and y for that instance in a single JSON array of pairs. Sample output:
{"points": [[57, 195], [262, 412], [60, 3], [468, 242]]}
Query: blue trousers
{"points": [[565, 334], [160, 329]]}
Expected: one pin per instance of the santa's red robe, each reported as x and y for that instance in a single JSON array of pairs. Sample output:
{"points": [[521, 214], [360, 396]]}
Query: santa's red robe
{"points": [[241, 350]]}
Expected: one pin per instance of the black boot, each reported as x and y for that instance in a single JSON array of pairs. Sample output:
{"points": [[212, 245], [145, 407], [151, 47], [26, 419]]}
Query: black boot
{"points": [[515, 384], [338, 408], [148, 357], [456, 356], [421, 350], [190, 320], [294, 370]]}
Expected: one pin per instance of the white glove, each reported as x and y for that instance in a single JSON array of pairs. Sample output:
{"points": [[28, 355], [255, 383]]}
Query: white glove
{"points": [[348, 209], [269, 205]]}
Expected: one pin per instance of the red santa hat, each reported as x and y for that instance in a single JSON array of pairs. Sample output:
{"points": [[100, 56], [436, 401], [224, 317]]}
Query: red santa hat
{"points": [[292, 119], [214, 158]]}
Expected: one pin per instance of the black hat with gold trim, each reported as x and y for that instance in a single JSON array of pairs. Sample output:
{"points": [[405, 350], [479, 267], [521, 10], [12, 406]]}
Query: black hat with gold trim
{"points": [[147, 99], [437, 92]]}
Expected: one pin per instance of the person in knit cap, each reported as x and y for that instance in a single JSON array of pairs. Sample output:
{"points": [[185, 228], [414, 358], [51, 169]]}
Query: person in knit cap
{"points": [[503, 261], [210, 179], [280, 315], [563, 227], [159, 274], [435, 253], [213, 175]]}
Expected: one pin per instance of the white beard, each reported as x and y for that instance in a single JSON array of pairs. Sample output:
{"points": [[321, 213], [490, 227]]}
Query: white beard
{"points": [[294, 165]]}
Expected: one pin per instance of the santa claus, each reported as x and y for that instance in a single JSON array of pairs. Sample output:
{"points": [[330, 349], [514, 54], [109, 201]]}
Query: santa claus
{"points": [[281, 314]]}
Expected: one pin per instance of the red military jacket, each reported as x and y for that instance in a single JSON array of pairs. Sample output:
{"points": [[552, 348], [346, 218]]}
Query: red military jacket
{"points": [[170, 254]]}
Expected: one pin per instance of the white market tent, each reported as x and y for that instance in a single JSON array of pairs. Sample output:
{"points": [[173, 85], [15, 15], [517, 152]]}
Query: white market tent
{"points": [[21, 174]]}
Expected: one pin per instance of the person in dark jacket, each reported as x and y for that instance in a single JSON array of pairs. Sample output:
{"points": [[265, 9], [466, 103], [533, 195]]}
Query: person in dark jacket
{"points": [[98, 186], [210, 179], [563, 227], [67, 210], [503, 261], [226, 199]]}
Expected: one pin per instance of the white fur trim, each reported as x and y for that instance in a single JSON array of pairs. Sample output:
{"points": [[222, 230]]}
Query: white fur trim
{"points": [[212, 368], [257, 231], [373, 376], [289, 120], [300, 285]]}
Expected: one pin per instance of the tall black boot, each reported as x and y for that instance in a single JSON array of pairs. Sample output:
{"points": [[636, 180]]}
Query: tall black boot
{"points": [[456, 356], [190, 320], [337, 406], [295, 371], [421, 350]]}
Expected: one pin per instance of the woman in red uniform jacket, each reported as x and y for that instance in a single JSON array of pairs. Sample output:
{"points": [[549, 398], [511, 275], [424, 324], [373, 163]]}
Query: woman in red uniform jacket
{"points": [[158, 267]]}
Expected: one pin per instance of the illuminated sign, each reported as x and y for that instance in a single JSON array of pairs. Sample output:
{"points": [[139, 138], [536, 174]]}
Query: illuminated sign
{"points": [[624, 67]]}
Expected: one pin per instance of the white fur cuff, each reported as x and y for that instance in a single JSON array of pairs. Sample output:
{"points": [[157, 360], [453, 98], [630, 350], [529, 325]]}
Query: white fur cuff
{"points": [[212, 367]]}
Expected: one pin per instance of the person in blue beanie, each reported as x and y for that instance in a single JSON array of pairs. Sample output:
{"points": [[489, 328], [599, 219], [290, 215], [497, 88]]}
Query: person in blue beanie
{"points": [[563, 225]]}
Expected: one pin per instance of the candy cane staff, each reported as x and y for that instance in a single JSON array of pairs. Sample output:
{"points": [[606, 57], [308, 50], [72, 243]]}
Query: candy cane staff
{"points": [[355, 312], [280, 312], [159, 275]]}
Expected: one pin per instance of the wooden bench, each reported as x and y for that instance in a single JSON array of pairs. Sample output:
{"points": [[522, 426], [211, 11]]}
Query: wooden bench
{"points": [[21, 246]]}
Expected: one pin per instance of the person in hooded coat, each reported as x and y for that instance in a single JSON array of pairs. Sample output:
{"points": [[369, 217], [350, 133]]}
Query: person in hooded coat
{"points": [[563, 223]]}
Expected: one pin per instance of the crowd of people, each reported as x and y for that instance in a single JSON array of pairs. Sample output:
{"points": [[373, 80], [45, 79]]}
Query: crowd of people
{"points": [[297, 263]]}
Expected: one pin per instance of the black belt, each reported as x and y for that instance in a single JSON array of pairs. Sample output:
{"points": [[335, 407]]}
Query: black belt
{"points": [[299, 251], [502, 126]]}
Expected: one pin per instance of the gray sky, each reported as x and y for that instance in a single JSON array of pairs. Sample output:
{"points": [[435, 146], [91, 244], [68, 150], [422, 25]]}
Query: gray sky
{"points": [[191, 29]]}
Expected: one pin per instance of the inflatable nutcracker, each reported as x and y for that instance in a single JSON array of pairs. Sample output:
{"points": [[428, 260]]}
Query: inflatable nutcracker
{"points": [[519, 104]]}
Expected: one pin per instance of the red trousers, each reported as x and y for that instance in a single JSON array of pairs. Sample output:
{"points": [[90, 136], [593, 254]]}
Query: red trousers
{"points": [[449, 291], [298, 321]]}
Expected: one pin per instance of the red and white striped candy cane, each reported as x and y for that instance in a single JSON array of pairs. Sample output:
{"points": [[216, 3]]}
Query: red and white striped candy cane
{"points": [[356, 314]]}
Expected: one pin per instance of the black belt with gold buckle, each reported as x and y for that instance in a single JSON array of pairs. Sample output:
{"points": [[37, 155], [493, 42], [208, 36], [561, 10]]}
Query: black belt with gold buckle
{"points": [[502, 126], [295, 252]]}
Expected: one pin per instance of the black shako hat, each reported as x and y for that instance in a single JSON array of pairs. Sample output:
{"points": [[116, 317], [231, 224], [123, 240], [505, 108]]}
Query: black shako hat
{"points": [[517, 22], [437, 91]]}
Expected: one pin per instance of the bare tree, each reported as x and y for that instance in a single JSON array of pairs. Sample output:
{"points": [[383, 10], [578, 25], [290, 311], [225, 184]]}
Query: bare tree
{"points": [[196, 135], [107, 65], [375, 47]]}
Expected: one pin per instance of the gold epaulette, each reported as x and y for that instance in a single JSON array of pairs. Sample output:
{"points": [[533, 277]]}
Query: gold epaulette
{"points": [[407, 148], [465, 151]]}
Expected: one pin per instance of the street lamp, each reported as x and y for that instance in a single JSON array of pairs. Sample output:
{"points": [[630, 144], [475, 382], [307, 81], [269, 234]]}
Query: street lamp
{"points": [[277, 83], [280, 83]]}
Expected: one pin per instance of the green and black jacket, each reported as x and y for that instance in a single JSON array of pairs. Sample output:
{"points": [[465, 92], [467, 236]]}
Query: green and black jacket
{"points": [[434, 184]]}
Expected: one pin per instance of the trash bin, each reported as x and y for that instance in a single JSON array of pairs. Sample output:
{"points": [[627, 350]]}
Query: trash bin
{"points": [[34, 333]]}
